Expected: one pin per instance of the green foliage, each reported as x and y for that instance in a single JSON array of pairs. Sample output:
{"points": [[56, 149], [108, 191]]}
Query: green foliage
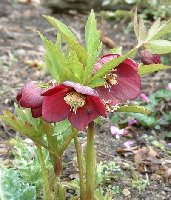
{"points": [[93, 43], [148, 121], [24, 182], [140, 184], [12, 186], [69, 37], [117, 50], [159, 46], [147, 69], [22, 124], [60, 68]]}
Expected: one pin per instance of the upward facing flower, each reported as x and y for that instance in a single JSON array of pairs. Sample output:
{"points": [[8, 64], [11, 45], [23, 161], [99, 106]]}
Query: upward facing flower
{"points": [[80, 104], [122, 83]]}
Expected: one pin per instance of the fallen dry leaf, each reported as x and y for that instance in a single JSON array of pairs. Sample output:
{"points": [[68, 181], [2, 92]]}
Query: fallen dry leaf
{"points": [[146, 160]]}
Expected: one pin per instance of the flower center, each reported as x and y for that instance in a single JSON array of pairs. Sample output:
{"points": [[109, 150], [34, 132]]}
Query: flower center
{"points": [[111, 78], [75, 100]]}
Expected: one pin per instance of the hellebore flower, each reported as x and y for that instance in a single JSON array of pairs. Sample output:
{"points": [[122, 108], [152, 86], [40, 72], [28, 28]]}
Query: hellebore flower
{"points": [[30, 97], [80, 104], [122, 82], [148, 58]]}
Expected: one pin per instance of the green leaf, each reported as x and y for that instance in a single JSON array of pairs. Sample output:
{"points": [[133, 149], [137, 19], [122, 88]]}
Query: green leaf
{"points": [[69, 37], [162, 30], [60, 26], [134, 109], [59, 67], [136, 26], [159, 46], [97, 82], [55, 60], [145, 120], [117, 50], [93, 43], [22, 127], [112, 64], [75, 65], [142, 32], [61, 127], [153, 29], [59, 42], [13, 187], [147, 69], [162, 94]]}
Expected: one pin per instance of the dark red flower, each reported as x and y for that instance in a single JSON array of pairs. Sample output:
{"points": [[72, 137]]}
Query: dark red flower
{"points": [[122, 82], [80, 104], [30, 97], [148, 58]]}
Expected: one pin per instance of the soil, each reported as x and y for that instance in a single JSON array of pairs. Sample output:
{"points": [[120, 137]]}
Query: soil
{"points": [[21, 60]]}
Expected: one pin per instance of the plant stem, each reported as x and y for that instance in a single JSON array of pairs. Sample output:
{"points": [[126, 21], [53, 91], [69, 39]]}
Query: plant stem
{"points": [[67, 141], [48, 194], [80, 167], [90, 158]]}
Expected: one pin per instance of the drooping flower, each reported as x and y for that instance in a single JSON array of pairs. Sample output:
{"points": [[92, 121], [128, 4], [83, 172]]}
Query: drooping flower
{"points": [[80, 104], [148, 58], [30, 97], [144, 97], [122, 82], [115, 131]]}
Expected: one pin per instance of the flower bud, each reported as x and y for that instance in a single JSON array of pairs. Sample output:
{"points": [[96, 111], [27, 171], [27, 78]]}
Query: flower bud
{"points": [[148, 58]]}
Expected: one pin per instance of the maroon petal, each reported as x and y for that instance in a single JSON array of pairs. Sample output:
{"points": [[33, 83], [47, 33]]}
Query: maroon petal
{"points": [[128, 86], [30, 96], [55, 90], [54, 107], [84, 115], [98, 105], [37, 112], [104, 59], [81, 89], [19, 95], [107, 96]]}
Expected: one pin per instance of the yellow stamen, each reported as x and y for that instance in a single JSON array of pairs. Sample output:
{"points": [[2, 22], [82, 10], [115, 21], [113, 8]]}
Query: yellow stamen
{"points": [[75, 100], [111, 78], [109, 107]]}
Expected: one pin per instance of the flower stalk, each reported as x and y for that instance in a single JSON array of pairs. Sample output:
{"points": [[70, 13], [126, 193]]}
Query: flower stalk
{"points": [[48, 193], [90, 158], [80, 167]]}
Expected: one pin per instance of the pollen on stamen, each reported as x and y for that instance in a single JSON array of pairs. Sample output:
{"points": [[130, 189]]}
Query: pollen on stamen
{"points": [[75, 100], [111, 79], [109, 107]]}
